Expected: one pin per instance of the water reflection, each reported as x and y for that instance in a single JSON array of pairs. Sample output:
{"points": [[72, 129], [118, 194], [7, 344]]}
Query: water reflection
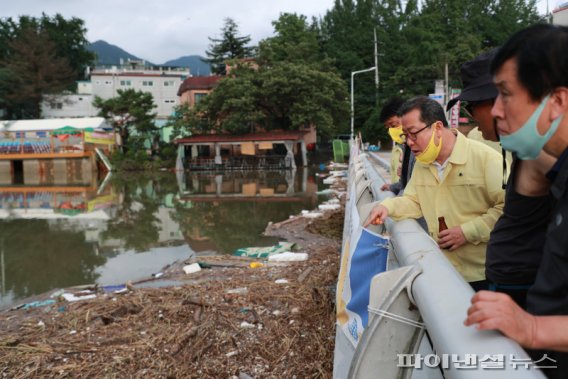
{"points": [[128, 227]]}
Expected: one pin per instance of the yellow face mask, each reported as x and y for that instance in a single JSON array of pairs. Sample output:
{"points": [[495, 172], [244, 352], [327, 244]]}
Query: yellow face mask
{"points": [[396, 134], [431, 152]]}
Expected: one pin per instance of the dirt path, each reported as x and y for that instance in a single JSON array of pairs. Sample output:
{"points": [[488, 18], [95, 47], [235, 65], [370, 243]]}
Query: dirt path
{"points": [[222, 322]]}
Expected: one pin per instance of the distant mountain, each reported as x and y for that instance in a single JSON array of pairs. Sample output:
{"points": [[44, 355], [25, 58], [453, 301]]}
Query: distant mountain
{"points": [[108, 54], [197, 67]]}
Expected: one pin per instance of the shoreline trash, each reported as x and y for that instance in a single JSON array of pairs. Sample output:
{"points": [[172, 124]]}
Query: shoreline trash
{"points": [[288, 257], [192, 268], [263, 252], [83, 295], [237, 291], [121, 288], [34, 304], [328, 207]]}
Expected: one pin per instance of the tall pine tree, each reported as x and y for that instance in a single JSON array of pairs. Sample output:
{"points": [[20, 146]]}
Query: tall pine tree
{"points": [[229, 46]]}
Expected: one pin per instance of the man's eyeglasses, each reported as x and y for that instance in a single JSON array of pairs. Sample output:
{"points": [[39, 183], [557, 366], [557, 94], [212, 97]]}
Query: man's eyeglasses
{"points": [[413, 136]]}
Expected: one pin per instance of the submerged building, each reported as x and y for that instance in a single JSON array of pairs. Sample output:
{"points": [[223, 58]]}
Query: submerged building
{"points": [[61, 150]]}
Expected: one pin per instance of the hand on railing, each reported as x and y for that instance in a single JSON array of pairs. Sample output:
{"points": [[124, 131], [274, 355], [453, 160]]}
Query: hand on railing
{"points": [[378, 215]]}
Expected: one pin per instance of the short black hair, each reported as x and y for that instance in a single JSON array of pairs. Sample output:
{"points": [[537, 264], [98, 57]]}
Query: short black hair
{"points": [[430, 110], [390, 109], [541, 52]]}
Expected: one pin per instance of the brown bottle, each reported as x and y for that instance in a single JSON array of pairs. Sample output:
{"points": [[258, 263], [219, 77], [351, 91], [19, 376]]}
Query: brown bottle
{"points": [[442, 224]]}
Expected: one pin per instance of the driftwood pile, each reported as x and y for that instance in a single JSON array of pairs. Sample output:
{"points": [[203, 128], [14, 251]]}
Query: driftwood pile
{"points": [[240, 322]]}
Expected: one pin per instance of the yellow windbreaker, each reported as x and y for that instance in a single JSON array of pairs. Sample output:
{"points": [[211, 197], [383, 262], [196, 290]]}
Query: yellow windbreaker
{"points": [[469, 195], [397, 151]]}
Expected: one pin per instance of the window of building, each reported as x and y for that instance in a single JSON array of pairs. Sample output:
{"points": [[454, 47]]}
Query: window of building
{"points": [[108, 82], [56, 106], [147, 83], [169, 83], [125, 83], [169, 101], [198, 96]]}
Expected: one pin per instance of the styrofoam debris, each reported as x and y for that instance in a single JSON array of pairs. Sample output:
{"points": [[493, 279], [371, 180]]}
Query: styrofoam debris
{"points": [[328, 207], [329, 180], [288, 256], [71, 297], [313, 215], [238, 291], [246, 325], [281, 281], [192, 268]]}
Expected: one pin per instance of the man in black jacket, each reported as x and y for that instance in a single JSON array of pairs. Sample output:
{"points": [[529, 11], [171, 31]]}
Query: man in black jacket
{"points": [[532, 115], [514, 249]]}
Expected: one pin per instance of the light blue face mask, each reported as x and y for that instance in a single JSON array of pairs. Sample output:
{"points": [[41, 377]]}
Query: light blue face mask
{"points": [[526, 141]]}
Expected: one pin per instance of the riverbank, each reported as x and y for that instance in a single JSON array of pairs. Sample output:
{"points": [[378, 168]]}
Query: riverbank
{"points": [[231, 320]]}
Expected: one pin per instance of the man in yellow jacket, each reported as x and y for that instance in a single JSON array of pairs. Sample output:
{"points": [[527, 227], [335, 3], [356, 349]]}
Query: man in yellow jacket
{"points": [[456, 182]]}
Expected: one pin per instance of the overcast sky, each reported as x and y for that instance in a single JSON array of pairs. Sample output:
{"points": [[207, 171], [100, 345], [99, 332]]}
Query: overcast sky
{"points": [[160, 30]]}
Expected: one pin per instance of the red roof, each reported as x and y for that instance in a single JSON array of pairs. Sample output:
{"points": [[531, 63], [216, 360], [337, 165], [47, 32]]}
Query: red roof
{"points": [[251, 137], [198, 82]]}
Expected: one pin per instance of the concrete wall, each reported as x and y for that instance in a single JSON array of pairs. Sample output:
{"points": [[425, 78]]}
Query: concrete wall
{"points": [[163, 88], [69, 106]]}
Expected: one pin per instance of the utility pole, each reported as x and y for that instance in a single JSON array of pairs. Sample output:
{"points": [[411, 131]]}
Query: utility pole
{"points": [[376, 67], [447, 85]]}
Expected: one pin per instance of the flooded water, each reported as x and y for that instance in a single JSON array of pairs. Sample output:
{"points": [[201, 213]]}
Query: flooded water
{"points": [[128, 227]]}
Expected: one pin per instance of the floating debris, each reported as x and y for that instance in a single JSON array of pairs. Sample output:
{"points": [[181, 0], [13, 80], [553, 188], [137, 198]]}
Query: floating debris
{"points": [[192, 268]]}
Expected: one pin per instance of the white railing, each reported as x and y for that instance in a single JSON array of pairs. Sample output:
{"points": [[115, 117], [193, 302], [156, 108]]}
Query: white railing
{"points": [[437, 290]]}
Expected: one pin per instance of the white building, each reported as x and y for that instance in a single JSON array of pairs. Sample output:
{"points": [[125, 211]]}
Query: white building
{"points": [[560, 14], [161, 82]]}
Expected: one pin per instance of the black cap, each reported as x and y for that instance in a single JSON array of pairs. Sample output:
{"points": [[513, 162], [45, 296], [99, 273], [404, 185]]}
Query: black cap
{"points": [[477, 80]]}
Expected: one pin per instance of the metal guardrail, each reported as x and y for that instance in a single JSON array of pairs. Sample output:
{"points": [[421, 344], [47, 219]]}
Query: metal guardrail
{"points": [[442, 295]]}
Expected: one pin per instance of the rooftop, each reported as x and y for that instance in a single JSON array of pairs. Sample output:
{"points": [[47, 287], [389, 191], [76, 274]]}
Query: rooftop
{"points": [[250, 137]]}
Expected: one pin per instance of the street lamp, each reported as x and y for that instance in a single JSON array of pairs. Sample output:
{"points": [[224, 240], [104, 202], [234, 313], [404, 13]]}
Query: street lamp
{"points": [[353, 73]]}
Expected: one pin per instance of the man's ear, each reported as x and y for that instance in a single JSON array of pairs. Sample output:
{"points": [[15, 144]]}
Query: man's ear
{"points": [[558, 102]]}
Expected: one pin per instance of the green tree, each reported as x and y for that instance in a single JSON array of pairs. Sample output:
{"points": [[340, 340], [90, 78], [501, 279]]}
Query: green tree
{"points": [[69, 36], [130, 115], [295, 41], [61, 41], [415, 43], [229, 47], [347, 35], [279, 96], [31, 70]]}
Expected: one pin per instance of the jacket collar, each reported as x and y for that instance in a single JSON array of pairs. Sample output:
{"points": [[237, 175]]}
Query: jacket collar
{"points": [[560, 182], [460, 150]]}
